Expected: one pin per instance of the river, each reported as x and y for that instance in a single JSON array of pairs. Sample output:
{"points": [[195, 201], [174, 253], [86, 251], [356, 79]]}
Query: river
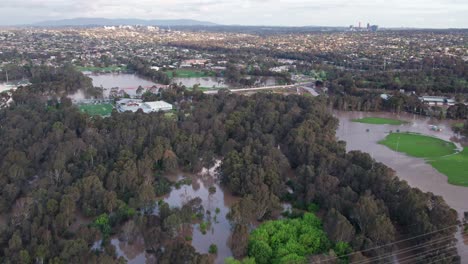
{"points": [[415, 171]]}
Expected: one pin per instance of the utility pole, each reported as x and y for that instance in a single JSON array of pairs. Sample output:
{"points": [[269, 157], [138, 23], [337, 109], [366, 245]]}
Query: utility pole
{"points": [[6, 72]]}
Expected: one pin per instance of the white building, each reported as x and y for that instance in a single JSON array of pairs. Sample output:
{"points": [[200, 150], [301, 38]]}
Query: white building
{"points": [[159, 106], [438, 101], [134, 105]]}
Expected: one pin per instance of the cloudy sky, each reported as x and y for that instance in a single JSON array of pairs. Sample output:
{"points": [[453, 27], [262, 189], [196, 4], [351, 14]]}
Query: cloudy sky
{"points": [[387, 13]]}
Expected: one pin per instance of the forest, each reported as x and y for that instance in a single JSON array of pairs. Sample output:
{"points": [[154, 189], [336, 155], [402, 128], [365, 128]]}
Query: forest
{"points": [[59, 166]]}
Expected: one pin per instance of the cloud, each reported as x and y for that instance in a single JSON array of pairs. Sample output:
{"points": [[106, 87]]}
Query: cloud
{"points": [[422, 13]]}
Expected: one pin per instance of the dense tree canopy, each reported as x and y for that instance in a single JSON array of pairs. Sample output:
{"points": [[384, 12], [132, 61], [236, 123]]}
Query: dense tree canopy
{"points": [[59, 166]]}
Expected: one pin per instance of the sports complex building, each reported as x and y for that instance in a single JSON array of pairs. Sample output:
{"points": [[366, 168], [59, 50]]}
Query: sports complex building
{"points": [[124, 105]]}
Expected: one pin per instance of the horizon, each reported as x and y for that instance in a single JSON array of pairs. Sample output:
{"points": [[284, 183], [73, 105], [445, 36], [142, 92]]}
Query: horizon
{"points": [[214, 24], [433, 14]]}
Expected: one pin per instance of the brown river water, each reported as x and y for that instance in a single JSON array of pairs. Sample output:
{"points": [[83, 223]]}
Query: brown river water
{"points": [[413, 170]]}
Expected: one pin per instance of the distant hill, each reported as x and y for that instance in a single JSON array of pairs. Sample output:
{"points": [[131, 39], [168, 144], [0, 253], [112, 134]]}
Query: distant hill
{"points": [[123, 21]]}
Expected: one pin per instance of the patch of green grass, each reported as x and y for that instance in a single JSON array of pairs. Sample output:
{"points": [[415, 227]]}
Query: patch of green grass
{"points": [[96, 109], [418, 145], [454, 166], [437, 152], [188, 73], [458, 125], [380, 121]]}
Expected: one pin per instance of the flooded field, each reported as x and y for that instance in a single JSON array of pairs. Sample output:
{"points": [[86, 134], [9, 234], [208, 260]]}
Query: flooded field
{"points": [[208, 82], [124, 81], [219, 82], [413, 170]]}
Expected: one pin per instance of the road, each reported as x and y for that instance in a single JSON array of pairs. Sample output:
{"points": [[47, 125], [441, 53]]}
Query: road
{"points": [[261, 88]]}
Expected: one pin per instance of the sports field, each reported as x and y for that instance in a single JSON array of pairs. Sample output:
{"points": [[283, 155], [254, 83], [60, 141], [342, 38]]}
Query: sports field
{"points": [[454, 166], [96, 109], [188, 73], [418, 145], [439, 153], [379, 121]]}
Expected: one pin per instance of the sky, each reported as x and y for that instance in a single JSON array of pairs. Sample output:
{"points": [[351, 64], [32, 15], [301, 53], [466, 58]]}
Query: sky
{"points": [[386, 13]]}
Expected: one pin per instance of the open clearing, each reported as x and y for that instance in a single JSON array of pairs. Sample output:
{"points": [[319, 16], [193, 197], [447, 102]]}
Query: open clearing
{"points": [[380, 121], [188, 73], [96, 109], [439, 153]]}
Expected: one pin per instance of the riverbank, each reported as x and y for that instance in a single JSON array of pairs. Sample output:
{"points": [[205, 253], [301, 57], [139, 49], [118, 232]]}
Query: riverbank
{"points": [[416, 171], [441, 154]]}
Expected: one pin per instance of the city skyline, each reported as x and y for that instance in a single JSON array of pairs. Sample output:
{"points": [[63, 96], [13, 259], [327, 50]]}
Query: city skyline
{"points": [[394, 13]]}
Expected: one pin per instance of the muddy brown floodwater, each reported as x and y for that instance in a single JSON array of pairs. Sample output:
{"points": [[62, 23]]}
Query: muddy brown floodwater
{"points": [[219, 231], [415, 171]]}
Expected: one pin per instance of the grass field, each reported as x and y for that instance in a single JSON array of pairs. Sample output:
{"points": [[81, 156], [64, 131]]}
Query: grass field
{"points": [[97, 109], [454, 166], [439, 153], [459, 125], [417, 145], [380, 121], [188, 73]]}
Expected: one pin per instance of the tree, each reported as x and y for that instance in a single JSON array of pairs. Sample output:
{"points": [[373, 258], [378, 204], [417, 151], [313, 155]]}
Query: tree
{"points": [[213, 249], [238, 241], [338, 227]]}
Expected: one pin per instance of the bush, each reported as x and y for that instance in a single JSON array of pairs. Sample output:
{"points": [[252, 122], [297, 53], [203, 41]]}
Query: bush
{"points": [[213, 249]]}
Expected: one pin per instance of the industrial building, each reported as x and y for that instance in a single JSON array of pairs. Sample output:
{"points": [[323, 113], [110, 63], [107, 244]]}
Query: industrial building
{"points": [[134, 105], [437, 101]]}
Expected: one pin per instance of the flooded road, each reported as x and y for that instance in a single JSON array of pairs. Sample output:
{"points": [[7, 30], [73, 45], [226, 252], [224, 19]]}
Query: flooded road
{"points": [[413, 170], [7, 87]]}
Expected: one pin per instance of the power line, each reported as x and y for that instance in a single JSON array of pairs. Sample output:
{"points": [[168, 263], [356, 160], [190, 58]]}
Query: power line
{"points": [[426, 253], [451, 256], [407, 249], [389, 244]]}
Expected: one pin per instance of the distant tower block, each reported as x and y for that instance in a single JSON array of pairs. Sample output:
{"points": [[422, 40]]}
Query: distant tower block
{"points": [[359, 24]]}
